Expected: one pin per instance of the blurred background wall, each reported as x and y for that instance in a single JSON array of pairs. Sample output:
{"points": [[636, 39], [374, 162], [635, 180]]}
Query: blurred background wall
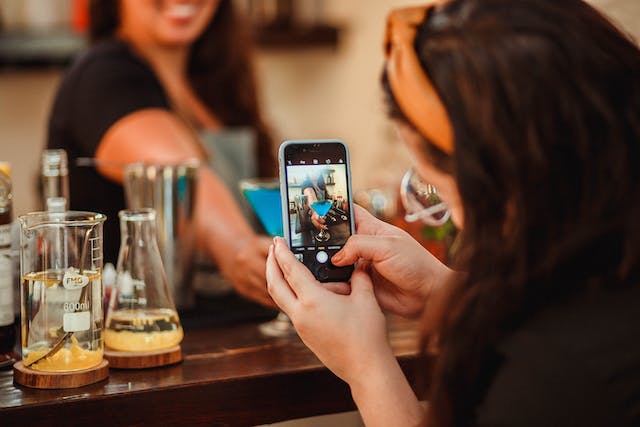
{"points": [[306, 92]]}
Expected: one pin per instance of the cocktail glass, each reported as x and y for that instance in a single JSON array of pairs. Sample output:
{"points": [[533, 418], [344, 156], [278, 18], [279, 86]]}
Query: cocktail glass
{"points": [[263, 196], [321, 207]]}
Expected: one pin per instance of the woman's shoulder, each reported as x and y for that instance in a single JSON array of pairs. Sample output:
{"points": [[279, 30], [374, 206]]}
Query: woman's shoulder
{"points": [[573, 363], [104, 85], [111, 75], [107, 58]]}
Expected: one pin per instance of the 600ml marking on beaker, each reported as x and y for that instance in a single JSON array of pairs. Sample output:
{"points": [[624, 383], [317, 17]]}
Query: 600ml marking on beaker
{"points": [[72, 307]]}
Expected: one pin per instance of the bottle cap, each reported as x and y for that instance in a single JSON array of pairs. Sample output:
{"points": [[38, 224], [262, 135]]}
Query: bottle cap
{"points": [[5, 185], [5, 167]]}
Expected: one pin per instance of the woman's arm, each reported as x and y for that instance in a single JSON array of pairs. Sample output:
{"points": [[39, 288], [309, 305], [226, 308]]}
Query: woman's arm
{"points": [[158, 136], [385, 398], [348, 334]]}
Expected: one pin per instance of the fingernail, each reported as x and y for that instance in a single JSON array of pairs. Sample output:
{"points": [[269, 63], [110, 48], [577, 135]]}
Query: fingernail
{"points": [[337, 257], [270, 249], [275, 240]]}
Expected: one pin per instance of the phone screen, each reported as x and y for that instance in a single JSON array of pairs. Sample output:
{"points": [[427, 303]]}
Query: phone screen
{"points": [[319, 213]]}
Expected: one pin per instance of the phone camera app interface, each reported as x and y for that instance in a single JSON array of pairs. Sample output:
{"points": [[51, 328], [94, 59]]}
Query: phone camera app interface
{"points": [[319, 217]]}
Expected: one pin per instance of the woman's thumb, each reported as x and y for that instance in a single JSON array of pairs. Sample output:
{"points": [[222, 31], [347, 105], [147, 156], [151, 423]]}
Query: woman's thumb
{"points": [[361, 282]]}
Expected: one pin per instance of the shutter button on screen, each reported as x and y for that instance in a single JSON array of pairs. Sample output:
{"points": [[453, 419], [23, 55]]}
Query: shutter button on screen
{"points": [[322, 257]]}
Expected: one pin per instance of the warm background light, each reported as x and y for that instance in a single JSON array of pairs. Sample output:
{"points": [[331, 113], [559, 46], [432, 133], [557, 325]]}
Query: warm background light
{"points": [[319, 92]]}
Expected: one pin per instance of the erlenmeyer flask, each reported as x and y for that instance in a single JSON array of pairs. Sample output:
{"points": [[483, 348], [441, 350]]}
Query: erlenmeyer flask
{"points": [[141, 316]]}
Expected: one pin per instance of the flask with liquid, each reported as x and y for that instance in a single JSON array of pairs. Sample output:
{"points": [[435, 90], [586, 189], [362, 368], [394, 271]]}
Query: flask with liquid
{"points": [[141, 316], [61, 269], [7, 315]]}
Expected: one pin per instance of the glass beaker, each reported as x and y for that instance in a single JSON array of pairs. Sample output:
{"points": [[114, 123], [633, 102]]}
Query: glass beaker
{"points": [[141, 315], [61, 270]]}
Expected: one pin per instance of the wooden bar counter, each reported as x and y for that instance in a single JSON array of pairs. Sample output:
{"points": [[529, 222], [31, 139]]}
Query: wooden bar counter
{"points": [[231, 376]]}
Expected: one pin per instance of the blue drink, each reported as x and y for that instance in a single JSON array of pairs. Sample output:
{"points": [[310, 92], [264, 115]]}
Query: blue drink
{"points": [[265, 202], [321, 207], [263, 196]]}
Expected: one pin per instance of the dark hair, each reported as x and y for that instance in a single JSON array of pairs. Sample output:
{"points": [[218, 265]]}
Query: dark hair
{"points": [[544, 99], [220, 69]]}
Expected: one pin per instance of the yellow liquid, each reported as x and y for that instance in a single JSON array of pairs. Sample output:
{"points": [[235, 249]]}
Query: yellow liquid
{"points": [[54, 277], [143, 330], [66, 359], [45, 322]]}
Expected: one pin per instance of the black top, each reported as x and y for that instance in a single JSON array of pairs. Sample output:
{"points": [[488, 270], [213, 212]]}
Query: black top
{"points": [[575, 364], [318, 186], [105, 84]]}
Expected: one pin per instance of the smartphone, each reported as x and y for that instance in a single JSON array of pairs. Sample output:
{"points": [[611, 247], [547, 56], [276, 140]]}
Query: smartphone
{"points": [[317, 209]]}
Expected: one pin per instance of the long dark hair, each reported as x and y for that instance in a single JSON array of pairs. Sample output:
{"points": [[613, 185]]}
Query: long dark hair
{"points": [[220, 69], [544, 98]]}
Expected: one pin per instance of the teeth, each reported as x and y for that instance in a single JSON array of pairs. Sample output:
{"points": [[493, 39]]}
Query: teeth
{"points": [[182, 10]]}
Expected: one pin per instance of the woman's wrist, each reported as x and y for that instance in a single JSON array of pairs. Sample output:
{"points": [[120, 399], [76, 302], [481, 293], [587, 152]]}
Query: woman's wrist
{"points": [[374, 370], [229, 256], [438, 276], [384, 396]]}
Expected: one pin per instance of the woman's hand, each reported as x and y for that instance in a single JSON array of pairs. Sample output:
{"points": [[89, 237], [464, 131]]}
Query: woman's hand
{"points": [[317, 221], [404, 273], [347, 332], [246, 270]]}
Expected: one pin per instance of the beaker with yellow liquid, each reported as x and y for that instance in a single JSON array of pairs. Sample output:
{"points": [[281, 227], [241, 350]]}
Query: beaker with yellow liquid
{"points": [[141, 318], [61, 270]]}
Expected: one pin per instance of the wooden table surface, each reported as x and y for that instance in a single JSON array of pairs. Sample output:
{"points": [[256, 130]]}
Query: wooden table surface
{"points": [[230, 376]]}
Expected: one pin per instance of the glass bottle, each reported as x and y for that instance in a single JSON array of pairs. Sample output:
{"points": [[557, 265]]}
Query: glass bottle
{"points": [[7, 315], [141, 315], [55, 177]]}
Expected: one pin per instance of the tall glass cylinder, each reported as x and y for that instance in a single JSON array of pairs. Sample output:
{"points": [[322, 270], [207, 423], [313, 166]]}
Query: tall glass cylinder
{"points": [[61, 269], [55, 177], [141, 315]]}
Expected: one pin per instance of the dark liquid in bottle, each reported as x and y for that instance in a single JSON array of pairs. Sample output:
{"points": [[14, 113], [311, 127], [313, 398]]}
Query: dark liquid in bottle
{"points": [[7, 331]]}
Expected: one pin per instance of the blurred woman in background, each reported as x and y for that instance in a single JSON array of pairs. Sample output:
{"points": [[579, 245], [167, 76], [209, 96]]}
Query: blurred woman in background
{"points": [[161, 79], [525, 114]]}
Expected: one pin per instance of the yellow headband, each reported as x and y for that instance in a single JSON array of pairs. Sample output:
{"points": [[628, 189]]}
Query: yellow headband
{"points": [[416, 96]]}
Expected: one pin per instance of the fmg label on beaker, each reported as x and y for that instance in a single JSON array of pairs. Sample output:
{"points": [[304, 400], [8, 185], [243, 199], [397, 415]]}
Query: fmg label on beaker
{"points": [[74, 280]]}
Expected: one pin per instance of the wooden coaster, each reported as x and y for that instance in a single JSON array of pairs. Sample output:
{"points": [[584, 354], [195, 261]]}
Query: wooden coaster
{"points": [[141, 360], [52, 380]]}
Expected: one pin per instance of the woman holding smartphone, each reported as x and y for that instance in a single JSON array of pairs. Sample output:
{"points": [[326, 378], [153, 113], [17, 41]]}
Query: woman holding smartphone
{"points": [[525, 114]]}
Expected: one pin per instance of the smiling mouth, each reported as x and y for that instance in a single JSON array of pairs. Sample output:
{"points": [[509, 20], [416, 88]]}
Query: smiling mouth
{"points": [[181, 11]]}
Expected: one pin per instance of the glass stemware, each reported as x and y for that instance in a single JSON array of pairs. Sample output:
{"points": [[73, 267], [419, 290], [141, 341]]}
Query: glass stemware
{"points": [[263, 195], [322, 207]]}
